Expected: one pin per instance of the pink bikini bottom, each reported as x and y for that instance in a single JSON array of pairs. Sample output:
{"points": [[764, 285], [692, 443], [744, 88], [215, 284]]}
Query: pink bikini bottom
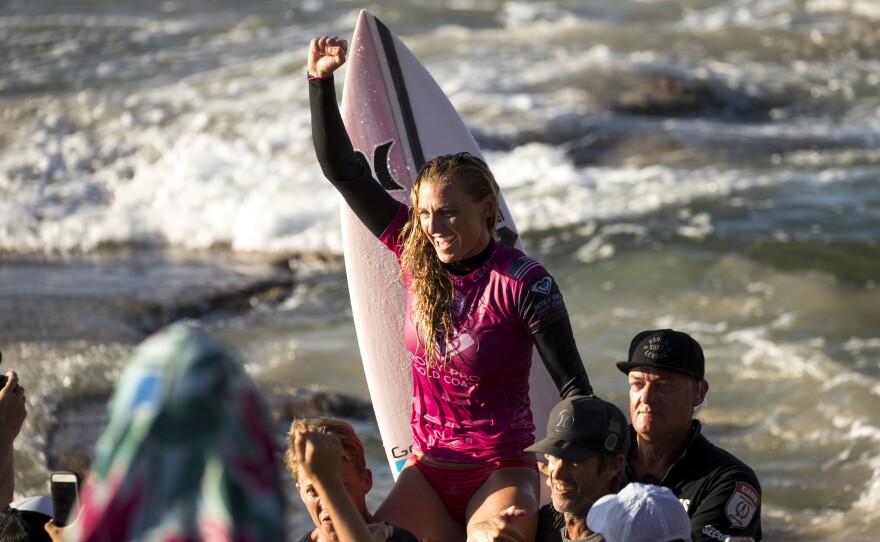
{"points": [[456, 485]]}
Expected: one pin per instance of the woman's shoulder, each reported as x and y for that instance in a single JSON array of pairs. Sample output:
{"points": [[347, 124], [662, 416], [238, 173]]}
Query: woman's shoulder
{"points": [[515, 264]]}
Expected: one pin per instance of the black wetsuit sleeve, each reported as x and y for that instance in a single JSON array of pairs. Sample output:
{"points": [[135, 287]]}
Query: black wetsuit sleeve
{"points": [[352, 178], [558, 351], [542, 308]]}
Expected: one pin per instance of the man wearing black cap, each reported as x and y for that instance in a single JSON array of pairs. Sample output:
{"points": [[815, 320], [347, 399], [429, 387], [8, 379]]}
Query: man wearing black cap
{"points": [[583, 458], [721, 494], [585, 451]]}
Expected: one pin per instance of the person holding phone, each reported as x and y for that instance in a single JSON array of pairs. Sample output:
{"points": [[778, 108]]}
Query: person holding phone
{"points": [[55, 532], [188, 451], [65, 497], [13, 411], [64, 486]]}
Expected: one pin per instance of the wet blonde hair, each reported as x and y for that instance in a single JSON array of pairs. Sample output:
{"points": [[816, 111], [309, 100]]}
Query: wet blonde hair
{"points": [[352, 447], [431, 286]]}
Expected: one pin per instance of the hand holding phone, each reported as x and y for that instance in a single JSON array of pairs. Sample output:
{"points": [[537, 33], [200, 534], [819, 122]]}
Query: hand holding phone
{"points": [[65, 497], [3, 377]]}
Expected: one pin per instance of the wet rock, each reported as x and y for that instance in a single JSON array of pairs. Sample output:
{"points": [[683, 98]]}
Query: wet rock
{"points": [[126, 295], [304, 403], [236, 300], [71, 442], [666, 96]]}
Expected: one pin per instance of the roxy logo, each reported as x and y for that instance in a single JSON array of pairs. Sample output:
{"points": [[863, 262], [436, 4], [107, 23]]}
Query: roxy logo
{"points": [[656, 349], [456, 345], [543, 286], [458, 304]]}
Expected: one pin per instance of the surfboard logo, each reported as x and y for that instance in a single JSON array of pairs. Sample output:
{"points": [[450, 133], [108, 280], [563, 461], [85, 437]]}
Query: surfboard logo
{"points": [[401, 451], [379, 165]]}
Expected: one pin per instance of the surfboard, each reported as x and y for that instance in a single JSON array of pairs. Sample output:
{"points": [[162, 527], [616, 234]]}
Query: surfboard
{"points": [[398, 117]]}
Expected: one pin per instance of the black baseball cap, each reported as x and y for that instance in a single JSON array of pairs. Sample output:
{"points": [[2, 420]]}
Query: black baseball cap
{"points": [[580, 427], [667, 349]]}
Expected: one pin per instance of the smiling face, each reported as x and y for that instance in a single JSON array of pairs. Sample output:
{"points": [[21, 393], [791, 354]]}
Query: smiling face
{"points": [[456, 224], [576, 485], [662, 402], [357, 484]]}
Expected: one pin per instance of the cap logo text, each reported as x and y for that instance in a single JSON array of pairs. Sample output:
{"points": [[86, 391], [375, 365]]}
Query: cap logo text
{"points": [[657, 349]]}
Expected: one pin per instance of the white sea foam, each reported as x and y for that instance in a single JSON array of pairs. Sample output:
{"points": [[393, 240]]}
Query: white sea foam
{"points": [[760, 14], [222, 157], [863, 8], [197, 189]]}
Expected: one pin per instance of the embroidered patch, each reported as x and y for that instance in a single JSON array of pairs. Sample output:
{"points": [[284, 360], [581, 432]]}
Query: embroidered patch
{"points": [[521, 266], [516, 264], [543, 286], [742, 505]]}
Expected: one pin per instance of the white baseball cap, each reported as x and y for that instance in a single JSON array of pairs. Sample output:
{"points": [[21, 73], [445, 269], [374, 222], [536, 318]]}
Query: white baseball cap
{"points": [[43, 505], [640, 513]]}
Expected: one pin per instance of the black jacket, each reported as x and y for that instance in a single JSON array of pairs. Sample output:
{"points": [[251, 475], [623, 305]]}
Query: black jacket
{"points": [[721, 494]]}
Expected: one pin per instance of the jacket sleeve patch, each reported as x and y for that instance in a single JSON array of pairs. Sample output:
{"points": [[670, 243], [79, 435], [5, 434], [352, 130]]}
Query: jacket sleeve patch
{"points": [[742, 505]]}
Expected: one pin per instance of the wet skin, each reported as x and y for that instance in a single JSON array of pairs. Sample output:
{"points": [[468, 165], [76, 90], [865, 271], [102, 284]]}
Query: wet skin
{"points": [[455, 223], [357, 485]]}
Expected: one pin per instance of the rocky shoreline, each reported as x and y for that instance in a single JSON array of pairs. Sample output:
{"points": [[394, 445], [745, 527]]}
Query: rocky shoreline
{"points": [[78, 424]]}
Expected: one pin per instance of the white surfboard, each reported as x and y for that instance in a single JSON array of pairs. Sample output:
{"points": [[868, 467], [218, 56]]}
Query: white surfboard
{"points": [[398, 117]]}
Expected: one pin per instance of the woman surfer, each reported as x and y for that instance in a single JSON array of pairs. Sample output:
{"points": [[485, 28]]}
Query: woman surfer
{"points": [[475, 308]]}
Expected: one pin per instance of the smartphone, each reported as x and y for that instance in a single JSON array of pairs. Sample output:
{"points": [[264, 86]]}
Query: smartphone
{"points": [[3, 377], [65, 496]]}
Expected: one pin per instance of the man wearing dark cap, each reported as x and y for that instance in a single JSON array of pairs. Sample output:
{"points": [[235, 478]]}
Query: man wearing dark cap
{"points": [[585, 450], [583, 458], [667, 388]]}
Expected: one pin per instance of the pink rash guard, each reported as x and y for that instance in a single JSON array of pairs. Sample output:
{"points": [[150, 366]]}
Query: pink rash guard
{"points": [[475, 408]]}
